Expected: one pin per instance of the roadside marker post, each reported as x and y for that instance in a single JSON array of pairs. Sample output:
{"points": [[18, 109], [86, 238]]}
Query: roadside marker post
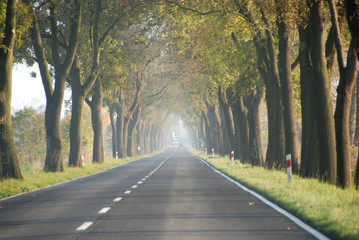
{"points": [[212, 152], [232, 157], [116, 155], [205, 150], [288, 159], [83, 161]]}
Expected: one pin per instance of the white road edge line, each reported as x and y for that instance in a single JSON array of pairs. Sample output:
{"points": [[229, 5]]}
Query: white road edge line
{"points": [[117, 199], [84, 226], [293, 218]]}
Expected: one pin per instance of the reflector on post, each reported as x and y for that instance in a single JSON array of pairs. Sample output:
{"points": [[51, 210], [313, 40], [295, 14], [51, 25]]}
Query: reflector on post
{"points": [[288, 159]]}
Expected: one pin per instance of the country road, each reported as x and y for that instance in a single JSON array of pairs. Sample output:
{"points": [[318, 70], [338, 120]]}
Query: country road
{"points": [[172, 195]]}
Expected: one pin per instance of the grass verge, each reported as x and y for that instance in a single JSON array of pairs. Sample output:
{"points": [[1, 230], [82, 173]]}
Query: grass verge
{"points": [[332, 210], [33, 180]]}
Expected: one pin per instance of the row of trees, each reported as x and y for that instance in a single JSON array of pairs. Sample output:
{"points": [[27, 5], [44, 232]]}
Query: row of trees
{"points": [[211, 62], [108, 53], [242, 49]]}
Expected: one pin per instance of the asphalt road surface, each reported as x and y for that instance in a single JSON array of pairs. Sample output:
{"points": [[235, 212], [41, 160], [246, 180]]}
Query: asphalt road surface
{"points": [[172, 195]]}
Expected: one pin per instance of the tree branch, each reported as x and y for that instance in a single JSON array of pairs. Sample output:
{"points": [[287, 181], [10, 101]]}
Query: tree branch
{"points": [[191, 9], [338, 41]]}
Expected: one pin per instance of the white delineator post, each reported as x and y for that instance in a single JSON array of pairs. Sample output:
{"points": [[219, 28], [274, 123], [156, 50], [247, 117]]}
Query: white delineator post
{"points": [[116, 155], [212, 152], [232, 157], [288, 159], [205, 150], [83, 161]]}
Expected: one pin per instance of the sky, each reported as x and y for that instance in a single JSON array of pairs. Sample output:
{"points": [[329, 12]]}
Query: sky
{"points": [[27, 90]]}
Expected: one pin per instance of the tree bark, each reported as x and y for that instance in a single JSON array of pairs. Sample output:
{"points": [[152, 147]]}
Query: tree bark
{"points": [[310, 148], [348, 73], [132, 147], [241, 125], [352, 10], [323, 101], [112, 112], [209, 142], [342, 117], [96, 107], [9, 163], [78, 100], [228, 117], [268, 70], [256, 151], [286, 82]]}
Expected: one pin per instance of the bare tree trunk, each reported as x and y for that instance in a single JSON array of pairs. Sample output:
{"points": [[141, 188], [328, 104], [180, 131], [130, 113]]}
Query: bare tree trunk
{"points": [[96, 107], [285, 74], [112, 109], [132, 148], [256, 155], [228, 115], [348, 74], [310, 148], [9, 163], [323, 100], [78, 100], [352, 10]]}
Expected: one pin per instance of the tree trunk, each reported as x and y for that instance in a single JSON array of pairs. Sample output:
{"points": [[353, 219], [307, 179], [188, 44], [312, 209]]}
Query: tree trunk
{"points": [[342, 117], [125, 136], [209, 142], [120, 123], [352, 10], [78, 100], [268, 70], [148, 138], [356, 138], [112, 109], [9, 163], [228, 115], [256, 155], [241, 117], [348, 73], [53, 161], [285, 74], [132, 147], [310, 148], [323, 99], [140, 137], [96, 107]]}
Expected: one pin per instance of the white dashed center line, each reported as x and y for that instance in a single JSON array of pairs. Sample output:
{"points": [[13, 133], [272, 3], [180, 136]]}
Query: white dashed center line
{"points": [[128, 192], [134, 186], [104, 210], [117, 199], [139, 182], [84, 226]]}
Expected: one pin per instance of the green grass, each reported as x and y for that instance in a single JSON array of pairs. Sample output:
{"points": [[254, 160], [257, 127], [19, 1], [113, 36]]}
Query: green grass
{"points": [[332, 210], [35, 178]]}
